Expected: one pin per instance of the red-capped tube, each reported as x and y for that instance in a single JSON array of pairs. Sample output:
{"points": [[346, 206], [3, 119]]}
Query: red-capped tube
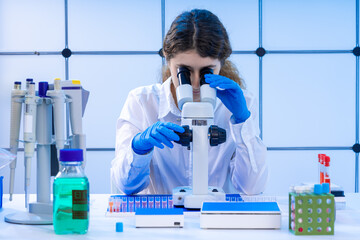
{"points": [[322, 157], [319, 166], [327, 171]]}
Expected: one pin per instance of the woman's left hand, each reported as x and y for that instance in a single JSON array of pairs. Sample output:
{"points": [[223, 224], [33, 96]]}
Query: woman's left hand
{"points": [[231, 95]]}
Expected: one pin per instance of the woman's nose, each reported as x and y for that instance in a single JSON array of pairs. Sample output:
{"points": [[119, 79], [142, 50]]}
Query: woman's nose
{"points": [[195, 81]]}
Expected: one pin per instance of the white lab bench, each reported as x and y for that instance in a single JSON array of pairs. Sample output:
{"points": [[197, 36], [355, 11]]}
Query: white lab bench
{"points": [[347, 225]]}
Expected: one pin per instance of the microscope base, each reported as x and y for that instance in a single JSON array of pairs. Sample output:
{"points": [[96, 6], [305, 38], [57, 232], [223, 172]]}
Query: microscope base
{"points": [[183, 196], [195, 201]]}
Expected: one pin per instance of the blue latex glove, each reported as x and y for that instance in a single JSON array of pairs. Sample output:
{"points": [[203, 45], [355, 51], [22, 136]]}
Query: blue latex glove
{"points": [[231, 95], [157, 134]]}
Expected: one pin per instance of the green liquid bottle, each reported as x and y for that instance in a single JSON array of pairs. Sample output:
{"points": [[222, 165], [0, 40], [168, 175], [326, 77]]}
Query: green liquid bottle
{"points": [[71, 195]]}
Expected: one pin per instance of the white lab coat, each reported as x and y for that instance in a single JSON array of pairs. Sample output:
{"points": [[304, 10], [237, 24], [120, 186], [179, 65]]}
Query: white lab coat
{"points": [[238, 164]]}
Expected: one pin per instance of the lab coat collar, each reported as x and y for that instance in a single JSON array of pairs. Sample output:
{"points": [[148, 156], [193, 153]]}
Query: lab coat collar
{"points": [[167, 104]]}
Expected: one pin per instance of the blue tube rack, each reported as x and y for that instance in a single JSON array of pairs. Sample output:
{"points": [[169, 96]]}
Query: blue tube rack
{"points": [[130, 203]]}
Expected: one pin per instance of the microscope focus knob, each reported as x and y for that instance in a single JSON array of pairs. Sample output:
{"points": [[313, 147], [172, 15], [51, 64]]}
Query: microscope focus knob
{"points": [[217, 135], [185, 137]]}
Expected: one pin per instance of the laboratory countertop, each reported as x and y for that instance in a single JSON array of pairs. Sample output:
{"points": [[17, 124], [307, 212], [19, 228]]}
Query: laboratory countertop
{"points": [[347, 225]]}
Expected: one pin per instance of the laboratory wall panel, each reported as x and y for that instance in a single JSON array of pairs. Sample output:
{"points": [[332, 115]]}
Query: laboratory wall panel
{"points": [[309, 25], [109, 80], [37, 25], [309, 100], [18, 68], [287, 168], [115, 25], [240, 18], [98, 171]]}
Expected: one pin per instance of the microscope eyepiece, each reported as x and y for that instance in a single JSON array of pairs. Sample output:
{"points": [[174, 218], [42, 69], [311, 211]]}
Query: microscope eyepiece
{"points": [[202, 75], [183, 75]]}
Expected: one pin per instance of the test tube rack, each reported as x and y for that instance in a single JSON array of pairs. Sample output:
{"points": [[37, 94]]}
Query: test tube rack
{"points": [[311, 214], [128, 204]]}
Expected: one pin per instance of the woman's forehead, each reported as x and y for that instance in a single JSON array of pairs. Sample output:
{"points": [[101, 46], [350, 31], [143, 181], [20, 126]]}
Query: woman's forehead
{"points": [[192, 59]]}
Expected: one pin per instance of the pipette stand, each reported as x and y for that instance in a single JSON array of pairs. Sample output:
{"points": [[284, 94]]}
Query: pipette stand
{"points": [[40, 212]]}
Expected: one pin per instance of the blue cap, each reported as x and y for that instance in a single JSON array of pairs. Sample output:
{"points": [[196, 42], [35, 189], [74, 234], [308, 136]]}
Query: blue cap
{"points": [[71, 155], [119, 227], [29, 80], [43, 87], [17, 82], [317, 189], [325, 188]]}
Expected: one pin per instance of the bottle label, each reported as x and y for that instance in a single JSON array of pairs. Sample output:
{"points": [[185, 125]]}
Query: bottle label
{"points": [[79, 204]]}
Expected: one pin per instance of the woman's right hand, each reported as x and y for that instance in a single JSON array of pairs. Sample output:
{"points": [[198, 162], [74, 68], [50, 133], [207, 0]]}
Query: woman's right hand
{"points": [[156, 135]]}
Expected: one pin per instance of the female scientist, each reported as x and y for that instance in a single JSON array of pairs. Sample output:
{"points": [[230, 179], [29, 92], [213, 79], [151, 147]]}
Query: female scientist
{"points": [[146, 159]]}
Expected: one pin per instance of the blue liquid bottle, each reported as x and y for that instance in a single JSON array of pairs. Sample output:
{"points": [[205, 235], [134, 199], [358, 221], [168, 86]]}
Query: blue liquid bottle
{"points": [[71, 194]]}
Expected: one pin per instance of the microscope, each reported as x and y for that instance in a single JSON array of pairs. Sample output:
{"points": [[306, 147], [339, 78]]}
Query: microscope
{"points": [[197, 118], [44, 111]]}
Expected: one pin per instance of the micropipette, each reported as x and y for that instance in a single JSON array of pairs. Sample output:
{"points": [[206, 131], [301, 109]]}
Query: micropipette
{"points": [[29, 135], [77, 101], [16, 103], [28, 81], [58, 97]]}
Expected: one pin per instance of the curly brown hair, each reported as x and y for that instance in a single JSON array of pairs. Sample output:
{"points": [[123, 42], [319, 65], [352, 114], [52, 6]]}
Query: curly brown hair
{"points": [[200, 30]]}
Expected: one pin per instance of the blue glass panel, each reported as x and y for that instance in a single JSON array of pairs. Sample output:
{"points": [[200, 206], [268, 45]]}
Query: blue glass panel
{"points": [[36, 25], [98, 170], [115, 25], [309, 100], [307, 24]]}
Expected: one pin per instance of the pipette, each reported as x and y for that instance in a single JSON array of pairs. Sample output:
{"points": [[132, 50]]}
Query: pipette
{"points": [[58, 97], [16, 103], [28, 81], [77, 101], [29, 135]]}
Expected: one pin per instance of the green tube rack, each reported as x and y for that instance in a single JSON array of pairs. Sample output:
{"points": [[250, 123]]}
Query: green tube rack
{"points": [[311, 214]]}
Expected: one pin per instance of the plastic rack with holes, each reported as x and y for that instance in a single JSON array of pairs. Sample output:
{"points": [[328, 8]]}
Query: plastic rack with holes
{"points": [[311, 212]]}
